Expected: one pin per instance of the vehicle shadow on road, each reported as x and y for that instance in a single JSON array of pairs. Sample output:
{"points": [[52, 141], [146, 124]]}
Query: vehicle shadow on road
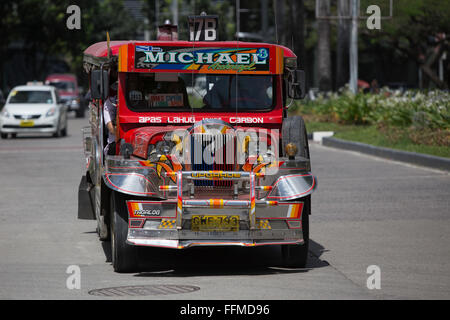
{"points": [[217, 261]]}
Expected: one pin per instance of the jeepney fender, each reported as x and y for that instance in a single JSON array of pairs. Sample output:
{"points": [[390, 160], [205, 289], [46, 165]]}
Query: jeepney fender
{"points": [[131, 183], [293, 186], [143, 179], [286, 188]]}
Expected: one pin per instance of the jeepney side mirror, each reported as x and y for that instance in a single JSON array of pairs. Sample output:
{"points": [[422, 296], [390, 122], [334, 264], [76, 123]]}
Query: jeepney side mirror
{"points": [[99, 84], [296, 86]]}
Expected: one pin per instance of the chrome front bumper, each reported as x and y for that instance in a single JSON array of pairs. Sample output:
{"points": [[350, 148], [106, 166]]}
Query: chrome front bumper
{"points": [[167, 223], [184, 244]]}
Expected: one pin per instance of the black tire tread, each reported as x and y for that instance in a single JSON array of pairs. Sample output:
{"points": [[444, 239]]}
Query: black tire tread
{"points": [[294, 131], [296, 256], [124, 256]]}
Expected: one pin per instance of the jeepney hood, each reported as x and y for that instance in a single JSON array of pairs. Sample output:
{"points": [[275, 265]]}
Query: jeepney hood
{"points": [[141, 137]]}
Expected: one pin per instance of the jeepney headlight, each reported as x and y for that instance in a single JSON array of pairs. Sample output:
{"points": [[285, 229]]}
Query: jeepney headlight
{"points": [[163, 147], [174, 140]]}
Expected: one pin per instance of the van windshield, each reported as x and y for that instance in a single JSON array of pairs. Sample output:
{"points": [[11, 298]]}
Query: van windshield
{"points": [[199, 92]]}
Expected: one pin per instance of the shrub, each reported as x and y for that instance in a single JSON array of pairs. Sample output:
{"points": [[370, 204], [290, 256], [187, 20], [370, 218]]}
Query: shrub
{"points": [[430, 110]]}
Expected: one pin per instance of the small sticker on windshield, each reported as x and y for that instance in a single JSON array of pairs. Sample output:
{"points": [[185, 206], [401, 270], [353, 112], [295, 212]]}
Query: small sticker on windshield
{"points": [[165, 100]]}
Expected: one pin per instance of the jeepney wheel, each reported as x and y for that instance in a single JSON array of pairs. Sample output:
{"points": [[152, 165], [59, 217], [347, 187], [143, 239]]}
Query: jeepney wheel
{"points": [[296, 256], [124, 256], [294, 131], [4, 135]]}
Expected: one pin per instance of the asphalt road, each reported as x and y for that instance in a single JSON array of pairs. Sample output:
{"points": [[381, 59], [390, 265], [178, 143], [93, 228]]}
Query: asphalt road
{"points": [[366, 211]]}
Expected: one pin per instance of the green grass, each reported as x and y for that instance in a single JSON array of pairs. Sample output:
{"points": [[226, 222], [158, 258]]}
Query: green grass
{"points": [[371, 135]]}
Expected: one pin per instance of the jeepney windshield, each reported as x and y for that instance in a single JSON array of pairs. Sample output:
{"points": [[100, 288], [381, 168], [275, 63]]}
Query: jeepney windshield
{"points": [[179, 92]]}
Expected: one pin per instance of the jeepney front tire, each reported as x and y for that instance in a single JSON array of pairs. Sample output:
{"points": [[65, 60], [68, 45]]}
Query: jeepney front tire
{"points": [[123, 255], [4, 135], [295, 255]]}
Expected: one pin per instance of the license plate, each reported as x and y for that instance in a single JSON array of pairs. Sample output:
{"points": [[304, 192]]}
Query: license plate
{"points": [[214, 223], [27, 123]]}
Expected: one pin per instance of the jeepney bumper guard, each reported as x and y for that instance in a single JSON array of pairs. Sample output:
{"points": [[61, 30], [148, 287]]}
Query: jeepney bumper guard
{"points": [[177, 223]]}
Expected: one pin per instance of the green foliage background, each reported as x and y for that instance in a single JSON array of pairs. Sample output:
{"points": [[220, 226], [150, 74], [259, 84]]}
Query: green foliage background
{"points": [[40, 26]]}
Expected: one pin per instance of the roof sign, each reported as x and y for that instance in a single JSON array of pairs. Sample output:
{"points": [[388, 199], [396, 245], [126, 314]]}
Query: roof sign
{"points": [[203, 60], [203, 27]]}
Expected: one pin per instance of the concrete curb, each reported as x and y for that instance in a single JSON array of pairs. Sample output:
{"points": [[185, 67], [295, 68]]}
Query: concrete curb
{"points": [[397, 155]]}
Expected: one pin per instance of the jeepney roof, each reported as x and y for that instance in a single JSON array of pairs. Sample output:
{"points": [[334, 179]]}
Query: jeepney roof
{"points": [[100, 49], [98, 52]]}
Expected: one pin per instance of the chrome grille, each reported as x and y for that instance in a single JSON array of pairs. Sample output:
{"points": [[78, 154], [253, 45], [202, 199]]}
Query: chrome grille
{"points": [[212, 152]]}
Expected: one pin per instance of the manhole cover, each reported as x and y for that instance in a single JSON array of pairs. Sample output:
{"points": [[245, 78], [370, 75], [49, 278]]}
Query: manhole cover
{"points": [[149, 290]]}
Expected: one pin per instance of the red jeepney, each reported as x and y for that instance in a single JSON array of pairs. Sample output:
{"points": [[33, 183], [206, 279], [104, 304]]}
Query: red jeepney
{"points": [[205, 152]]}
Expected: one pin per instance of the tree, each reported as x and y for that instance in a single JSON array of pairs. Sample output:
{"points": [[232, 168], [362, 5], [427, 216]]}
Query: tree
{"points": [[158, 11], [8, 23], [343, 43], [280, 18], [420, 31], [38, 30], [323, 47]]}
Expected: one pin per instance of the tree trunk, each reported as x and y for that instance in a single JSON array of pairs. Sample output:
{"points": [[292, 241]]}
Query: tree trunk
{"points": [[343, 44], [280, 16], [323, 47], [297, 26]]}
